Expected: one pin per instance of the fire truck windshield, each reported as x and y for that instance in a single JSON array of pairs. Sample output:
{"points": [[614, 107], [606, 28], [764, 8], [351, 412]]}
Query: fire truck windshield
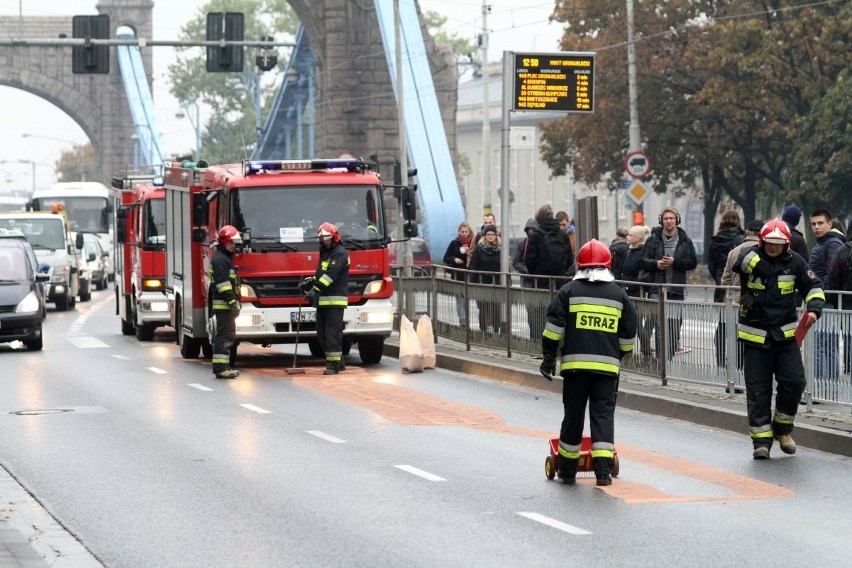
{"points": [[276, 216], [154, 224]]}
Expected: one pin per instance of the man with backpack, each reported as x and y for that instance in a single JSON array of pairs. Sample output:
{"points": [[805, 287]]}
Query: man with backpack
{"points": [[549, 250]]}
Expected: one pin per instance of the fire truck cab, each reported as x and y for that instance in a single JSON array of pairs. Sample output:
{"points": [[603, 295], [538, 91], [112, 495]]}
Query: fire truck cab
{"points": [[277, 207], [141, 255]]}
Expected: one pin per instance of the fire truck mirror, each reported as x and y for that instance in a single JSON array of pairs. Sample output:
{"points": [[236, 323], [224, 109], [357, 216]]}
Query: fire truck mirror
{"points": [[199, 209], [121, 235], [409, 229], [199, 235]]}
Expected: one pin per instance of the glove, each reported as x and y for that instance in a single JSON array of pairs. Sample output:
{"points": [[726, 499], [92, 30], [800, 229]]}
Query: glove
{"points": [[236, 306], [548, 366], [306, 284], [313, 297]]}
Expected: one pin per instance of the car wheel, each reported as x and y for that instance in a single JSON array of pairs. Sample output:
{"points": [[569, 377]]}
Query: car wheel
{"points": [[35, 344]]}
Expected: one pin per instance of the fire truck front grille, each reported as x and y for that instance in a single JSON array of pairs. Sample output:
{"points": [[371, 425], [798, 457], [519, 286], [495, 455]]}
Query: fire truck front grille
{"points": [[289, 287]]}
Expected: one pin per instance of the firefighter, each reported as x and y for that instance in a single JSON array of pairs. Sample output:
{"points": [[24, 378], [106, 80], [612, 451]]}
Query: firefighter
{"points": [[224, 288], [328, 292], [595, 321], [770, 274]]}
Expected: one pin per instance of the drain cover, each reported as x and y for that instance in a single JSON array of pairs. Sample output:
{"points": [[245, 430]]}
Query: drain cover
{"points": [[39, 411]]}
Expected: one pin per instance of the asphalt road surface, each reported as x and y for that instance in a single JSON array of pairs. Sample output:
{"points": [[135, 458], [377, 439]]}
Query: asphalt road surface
{"points": [[148, 460]]}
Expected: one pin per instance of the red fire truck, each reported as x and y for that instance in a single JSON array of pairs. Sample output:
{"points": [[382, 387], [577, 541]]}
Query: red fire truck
{"points": [[140, 274], [277, 206]]}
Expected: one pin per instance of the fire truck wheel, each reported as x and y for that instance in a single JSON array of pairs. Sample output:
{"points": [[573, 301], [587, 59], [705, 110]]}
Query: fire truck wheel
{"points": [[371, 348], [127, 325], [189, 346], [207, 349], [315, 348], [145, 332]]}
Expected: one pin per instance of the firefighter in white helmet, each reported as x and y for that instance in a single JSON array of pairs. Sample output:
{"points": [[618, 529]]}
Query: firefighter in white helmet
{"points": [[595, 321], [328, 292], [770, 274], [225, 300]]}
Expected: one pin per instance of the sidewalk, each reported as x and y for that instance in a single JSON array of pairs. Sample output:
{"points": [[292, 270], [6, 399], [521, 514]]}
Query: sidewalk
{"points": [[828, 427]]}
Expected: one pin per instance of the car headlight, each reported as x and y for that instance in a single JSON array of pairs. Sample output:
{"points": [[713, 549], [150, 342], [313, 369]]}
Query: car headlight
{"points": [[28, 305]]}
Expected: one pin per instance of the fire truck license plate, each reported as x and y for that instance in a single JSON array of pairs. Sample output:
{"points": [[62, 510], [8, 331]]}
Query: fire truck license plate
{"points": [[304, 316]]}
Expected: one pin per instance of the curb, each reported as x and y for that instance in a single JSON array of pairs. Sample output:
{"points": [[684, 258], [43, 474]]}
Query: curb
{"points": [[703, 413]]}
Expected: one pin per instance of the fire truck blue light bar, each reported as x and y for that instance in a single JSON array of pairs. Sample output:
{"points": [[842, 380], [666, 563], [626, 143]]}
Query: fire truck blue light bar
{"points": [[257, 166]]}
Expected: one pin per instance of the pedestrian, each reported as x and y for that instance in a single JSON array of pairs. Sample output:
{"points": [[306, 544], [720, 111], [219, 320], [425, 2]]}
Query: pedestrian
{"points": [[455, 258], [633, 275], [487, 220], [766, 328], [225, 301], [549, 251], [792, 215], [519, 258], [840, 279], [594, 322], [328, 292], [668, 255], [732, 279], [826, 342], [485, 269], [618, 249], [728, 235], [566, 223]]}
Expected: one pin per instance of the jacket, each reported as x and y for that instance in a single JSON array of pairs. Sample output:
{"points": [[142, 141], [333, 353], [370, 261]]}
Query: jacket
{"points": [[823, 251], [331, 278], [486, 258], [454, 251], [519, 258], [630, 269], [729, 277], [767, 301], [799, 245], [720, 245], [595, 322], [537, 253], [838, 266], [684, 259], [618, 249], [224, 282]]}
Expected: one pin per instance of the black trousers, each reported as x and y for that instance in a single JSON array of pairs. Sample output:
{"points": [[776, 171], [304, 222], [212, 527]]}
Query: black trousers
{"points": [[599, 391], [226, 333], [782, 361], [330, 334]]}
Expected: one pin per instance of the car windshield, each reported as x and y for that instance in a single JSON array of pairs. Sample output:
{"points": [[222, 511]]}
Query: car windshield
{"points": [[278, 217], [47, 233], [13, 264]]}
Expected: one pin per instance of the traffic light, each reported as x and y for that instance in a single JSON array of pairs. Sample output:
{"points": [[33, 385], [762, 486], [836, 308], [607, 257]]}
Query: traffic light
{"points": [[408, 201], [412, 183], [227, 26], [90, 58]]}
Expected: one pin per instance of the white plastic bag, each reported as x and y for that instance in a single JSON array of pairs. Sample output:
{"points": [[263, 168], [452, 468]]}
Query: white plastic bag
{"points": [[410, 352], [427, 341]]}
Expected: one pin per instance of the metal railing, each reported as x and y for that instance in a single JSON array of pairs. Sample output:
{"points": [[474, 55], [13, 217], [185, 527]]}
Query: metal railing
{"points": [[701, 345]]}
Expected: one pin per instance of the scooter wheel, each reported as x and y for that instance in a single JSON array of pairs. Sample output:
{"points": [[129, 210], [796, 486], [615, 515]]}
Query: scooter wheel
{"points": [[550, 467]]}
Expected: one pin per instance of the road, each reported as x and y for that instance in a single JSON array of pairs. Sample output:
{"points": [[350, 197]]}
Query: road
{"points": [[150, 461]]}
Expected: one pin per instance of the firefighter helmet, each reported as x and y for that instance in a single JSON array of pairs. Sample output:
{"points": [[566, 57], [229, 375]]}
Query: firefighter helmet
{"points": [[328, 230], [594, 254], [228, 234], [776, 232]]}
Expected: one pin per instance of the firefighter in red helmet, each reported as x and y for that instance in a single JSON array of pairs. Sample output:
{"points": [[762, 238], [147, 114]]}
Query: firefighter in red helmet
{"points": [[770, 274], [595, 322], [328, 292], [224, 293]]}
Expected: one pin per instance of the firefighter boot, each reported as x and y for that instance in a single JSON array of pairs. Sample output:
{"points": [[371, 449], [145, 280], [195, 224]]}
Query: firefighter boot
{"points": [[603, 470], [761, 452], [331, 369], [227, 374], [566, 470], [603, 480], [788, 445]]}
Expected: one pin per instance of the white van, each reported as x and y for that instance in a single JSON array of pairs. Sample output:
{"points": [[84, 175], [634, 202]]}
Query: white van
{"points": [[49, 234]]}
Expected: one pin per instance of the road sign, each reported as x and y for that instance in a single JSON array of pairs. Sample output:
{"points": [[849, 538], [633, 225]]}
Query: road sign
{"points": [[554, 81], [637, 164], [638, 191], [522, 137]]}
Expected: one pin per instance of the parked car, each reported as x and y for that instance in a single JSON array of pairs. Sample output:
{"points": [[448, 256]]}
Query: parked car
{"points": [[420, 252], [21, 291], [97, 261]]}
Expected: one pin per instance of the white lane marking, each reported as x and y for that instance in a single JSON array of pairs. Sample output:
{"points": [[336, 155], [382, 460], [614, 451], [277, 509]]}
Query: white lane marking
{"points": [[86, 342], [539, 518], [326, 437], [255, 408], [200, 387], [122, 357], [157, 370], [420, 473]]}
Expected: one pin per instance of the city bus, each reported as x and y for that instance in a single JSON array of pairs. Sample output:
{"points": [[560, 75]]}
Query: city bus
{"points": [[88, 206]]}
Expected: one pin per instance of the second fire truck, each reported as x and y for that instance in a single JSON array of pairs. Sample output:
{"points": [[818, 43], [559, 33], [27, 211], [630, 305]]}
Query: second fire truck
{"points": [[277, 207]]}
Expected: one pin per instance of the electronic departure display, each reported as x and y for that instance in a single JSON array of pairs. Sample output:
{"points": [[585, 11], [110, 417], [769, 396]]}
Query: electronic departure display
{"points": [[555, 81]]}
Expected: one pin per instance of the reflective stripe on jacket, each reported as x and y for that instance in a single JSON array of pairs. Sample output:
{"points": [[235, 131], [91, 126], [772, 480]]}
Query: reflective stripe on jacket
{"points": [[224, 283], [332, 277]]}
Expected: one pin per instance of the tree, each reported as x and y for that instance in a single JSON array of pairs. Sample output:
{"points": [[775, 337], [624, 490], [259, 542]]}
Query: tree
{"points": [[76, 164], [463, 49], [229, 134]]}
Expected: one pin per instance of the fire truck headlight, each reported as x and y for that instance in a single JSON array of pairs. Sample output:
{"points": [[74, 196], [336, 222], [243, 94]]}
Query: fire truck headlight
{"points": [[155, 306], [154, 284], [247, 293], [374, 287], [385, 317], [248, 320]]}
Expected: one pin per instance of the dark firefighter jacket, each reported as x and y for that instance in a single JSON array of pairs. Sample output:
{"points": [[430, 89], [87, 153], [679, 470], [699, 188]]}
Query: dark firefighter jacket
{"points": [[224, 283], [767, 301], [596, 323], [331, 279]]}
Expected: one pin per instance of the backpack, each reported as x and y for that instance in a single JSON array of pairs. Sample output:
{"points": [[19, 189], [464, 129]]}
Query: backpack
{"points": [[556, 256]]}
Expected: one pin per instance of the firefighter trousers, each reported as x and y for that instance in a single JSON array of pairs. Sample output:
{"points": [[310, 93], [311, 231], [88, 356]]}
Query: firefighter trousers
{"points": [[330, 335], [781, 360], [580, 387], [226, 332]]}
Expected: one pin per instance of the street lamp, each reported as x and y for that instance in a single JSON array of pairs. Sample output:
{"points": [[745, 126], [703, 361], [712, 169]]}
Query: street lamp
{"points": [[67, 141], [30, 162], [195, 122]]}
